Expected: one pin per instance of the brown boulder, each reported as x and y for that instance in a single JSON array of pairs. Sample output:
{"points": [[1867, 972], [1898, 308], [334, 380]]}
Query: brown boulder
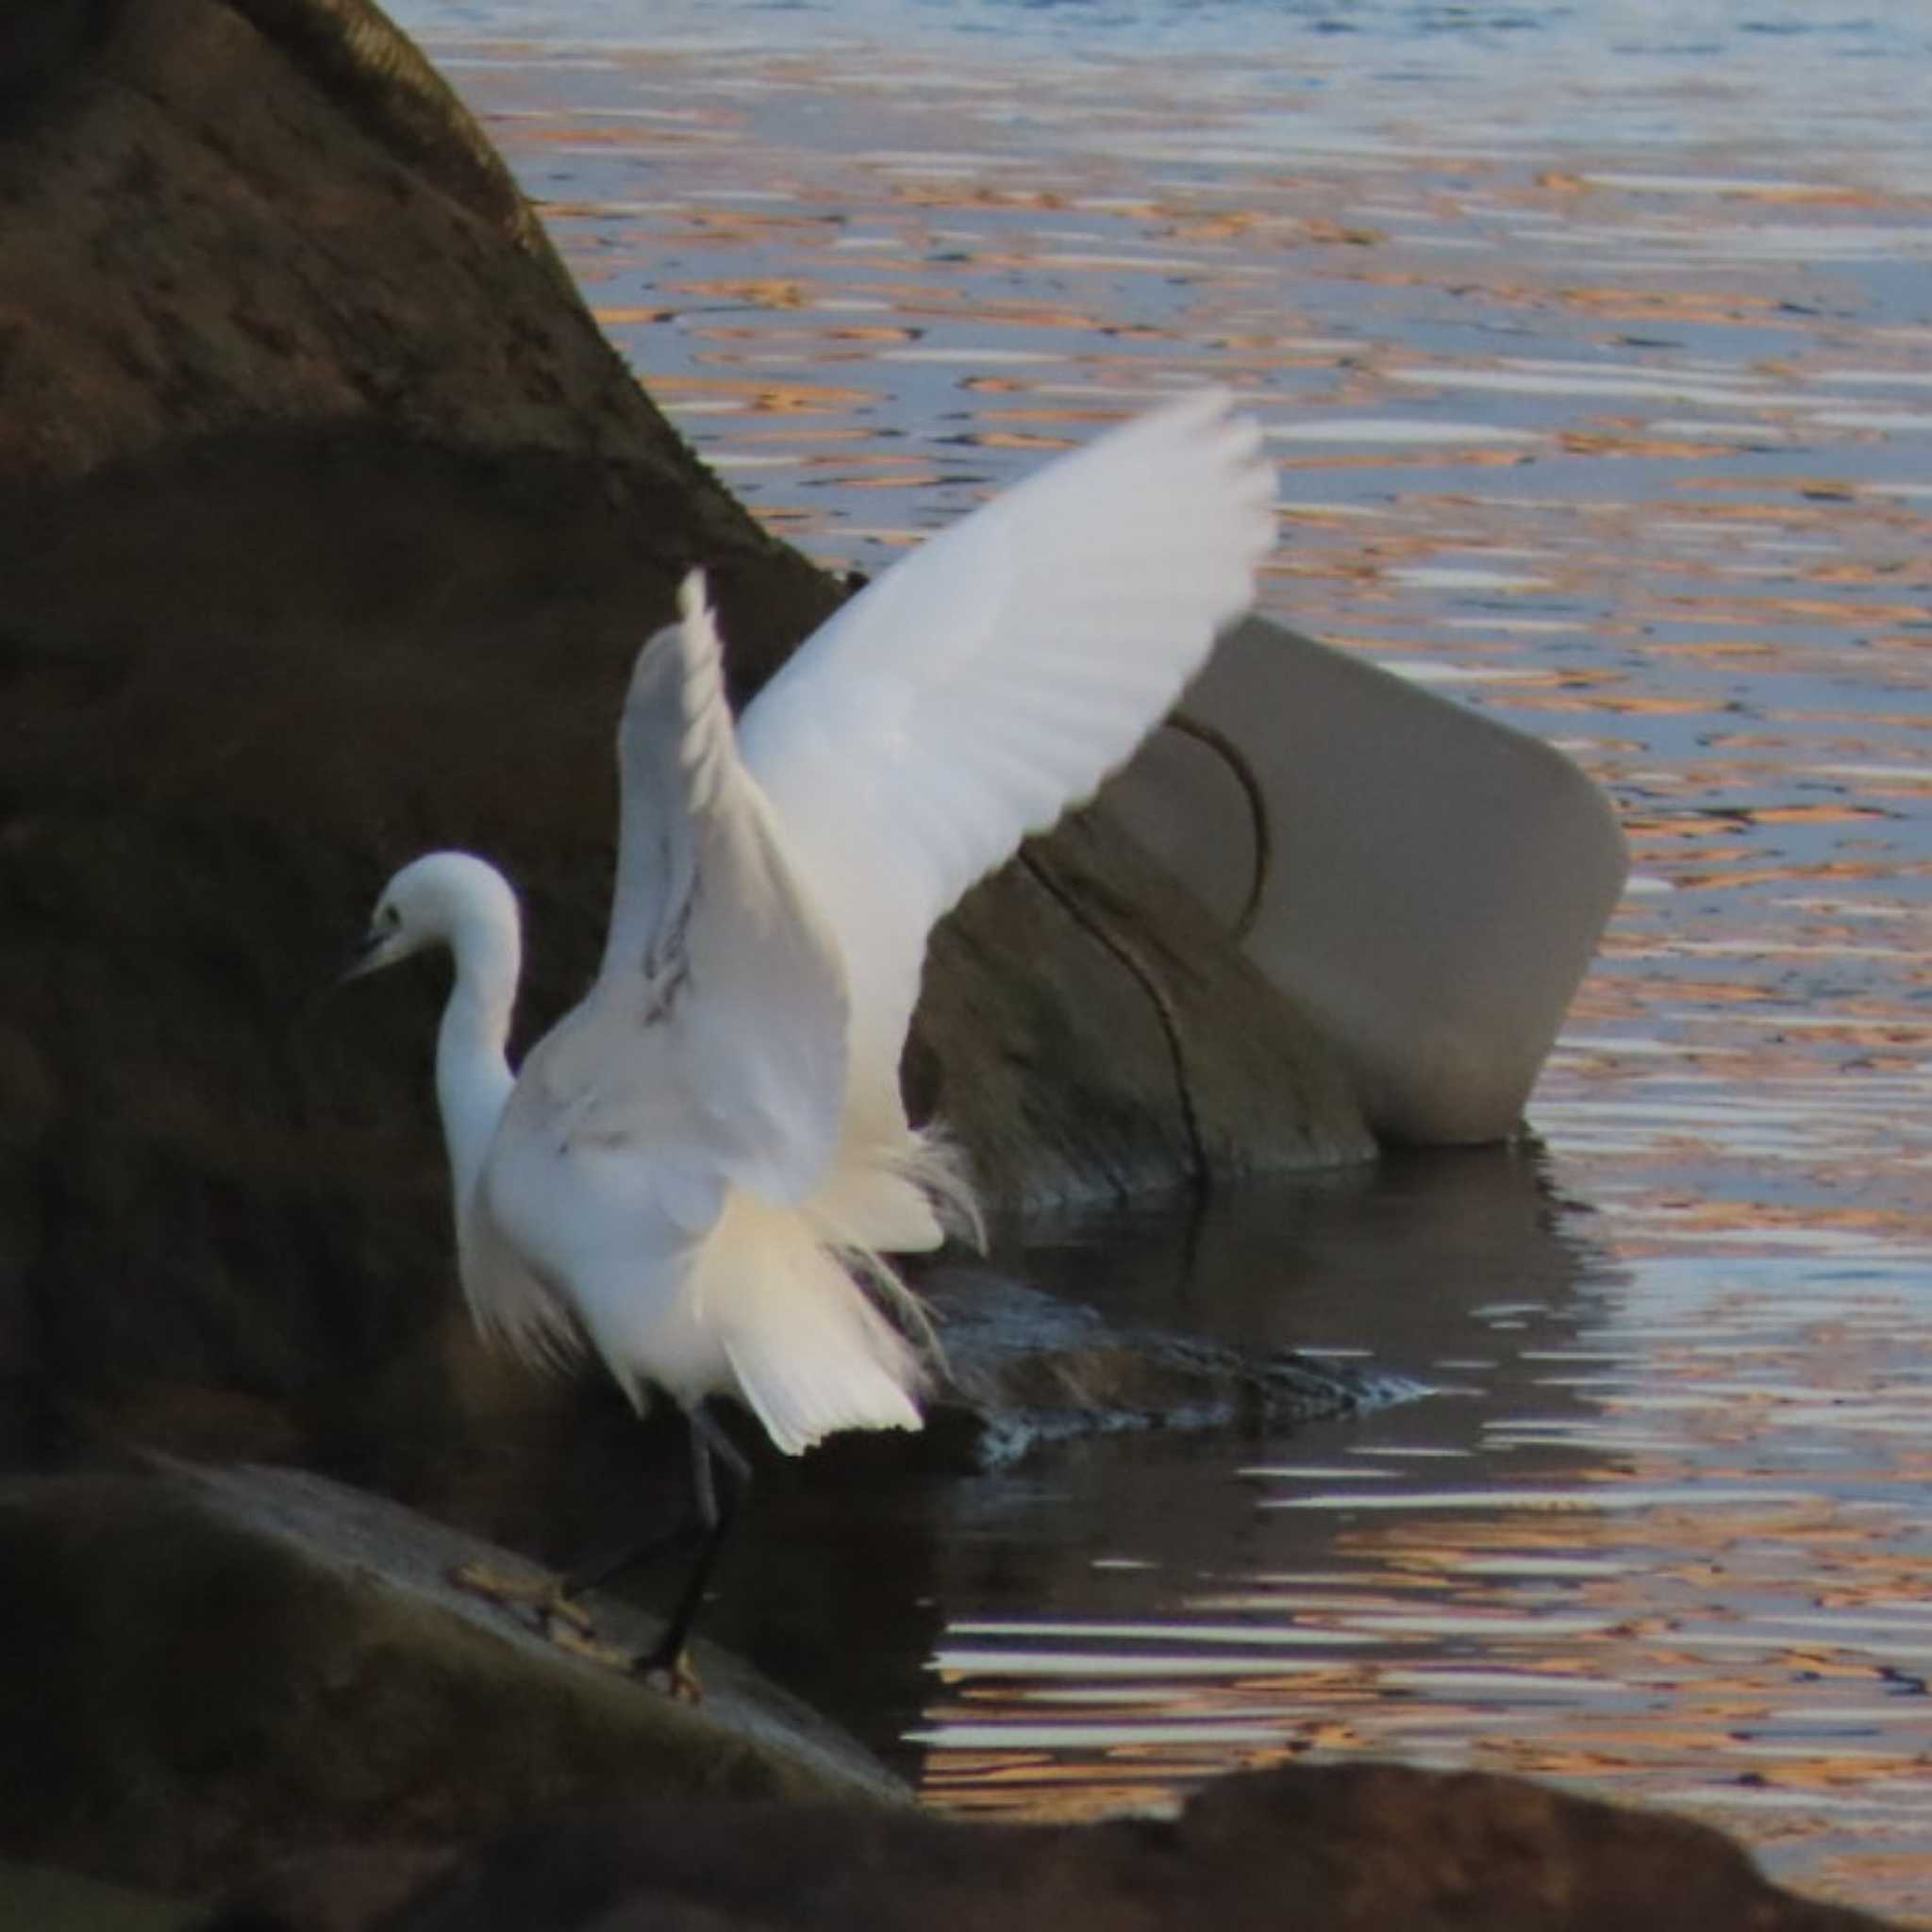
{"points": [[329, 524], [1345, 1848]]}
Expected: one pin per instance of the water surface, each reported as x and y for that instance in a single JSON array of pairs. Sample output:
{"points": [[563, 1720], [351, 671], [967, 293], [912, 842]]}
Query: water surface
{"points": [[1593, 345]]}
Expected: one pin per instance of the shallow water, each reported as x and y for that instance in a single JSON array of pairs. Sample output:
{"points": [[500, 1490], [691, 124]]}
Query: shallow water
{"points": [[1593, 345]]}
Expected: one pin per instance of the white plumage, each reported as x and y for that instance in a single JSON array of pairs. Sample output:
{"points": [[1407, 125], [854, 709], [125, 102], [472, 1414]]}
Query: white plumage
{"points": [[699, 1169]]}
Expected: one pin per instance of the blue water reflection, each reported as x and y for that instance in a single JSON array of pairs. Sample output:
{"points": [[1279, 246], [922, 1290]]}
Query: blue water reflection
{"points": [[1593, 343]]}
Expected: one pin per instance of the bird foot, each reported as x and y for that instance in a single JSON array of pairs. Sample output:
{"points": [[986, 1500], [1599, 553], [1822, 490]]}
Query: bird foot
{"points": [[677, 1675], [571, 1627], [592, 1649], [557, 1613]]}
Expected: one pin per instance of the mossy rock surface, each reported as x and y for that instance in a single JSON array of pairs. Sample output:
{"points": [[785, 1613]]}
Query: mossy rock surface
{"points": [[209, 1671]]}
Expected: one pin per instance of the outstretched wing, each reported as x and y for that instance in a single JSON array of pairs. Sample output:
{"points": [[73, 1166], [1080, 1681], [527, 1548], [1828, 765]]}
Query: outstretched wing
{"points": [[992, 678], [714, 1035]]}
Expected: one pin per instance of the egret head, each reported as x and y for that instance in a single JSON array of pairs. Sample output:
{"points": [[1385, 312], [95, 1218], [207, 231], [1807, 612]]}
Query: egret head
{"points": [[430, 902]]}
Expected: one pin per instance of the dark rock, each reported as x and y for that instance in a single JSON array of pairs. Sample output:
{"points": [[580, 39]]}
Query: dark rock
{"points": [[207, 1670], [34, 1899], [40, 40], [1346, 1848], [1149, 1051], [223, 217], [329, 524]]}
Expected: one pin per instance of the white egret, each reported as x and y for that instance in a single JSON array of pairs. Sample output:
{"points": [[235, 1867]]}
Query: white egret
{"points": [[699, 1170]]}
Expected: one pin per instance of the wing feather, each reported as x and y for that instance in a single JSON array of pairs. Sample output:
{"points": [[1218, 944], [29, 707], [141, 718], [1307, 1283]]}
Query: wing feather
{"points": [[510, 1305], [991, 679], [720, 1012]]}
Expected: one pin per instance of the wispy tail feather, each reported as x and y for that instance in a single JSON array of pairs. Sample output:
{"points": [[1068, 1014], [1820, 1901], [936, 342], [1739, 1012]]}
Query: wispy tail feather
{"points": [[936, 1166], [810, 1350]]}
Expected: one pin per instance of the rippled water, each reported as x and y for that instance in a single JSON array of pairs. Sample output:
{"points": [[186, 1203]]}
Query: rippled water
{"points": [[1594, 345]]}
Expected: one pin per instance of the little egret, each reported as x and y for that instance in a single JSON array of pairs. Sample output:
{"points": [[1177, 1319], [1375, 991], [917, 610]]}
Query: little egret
{"points": [[699, 1172]]}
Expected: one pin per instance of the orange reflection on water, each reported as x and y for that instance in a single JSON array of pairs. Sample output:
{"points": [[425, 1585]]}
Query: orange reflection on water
{"points": [[762, 396], [1630, 481]]}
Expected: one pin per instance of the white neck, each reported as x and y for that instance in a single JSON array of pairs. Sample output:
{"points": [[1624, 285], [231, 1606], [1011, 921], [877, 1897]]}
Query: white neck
{"points": [[473, 1076]]}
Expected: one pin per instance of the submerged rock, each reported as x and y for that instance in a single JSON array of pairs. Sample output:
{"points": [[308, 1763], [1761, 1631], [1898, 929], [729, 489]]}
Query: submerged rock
{"points": [[1024, 1369], [1345, 1848], [209, 1670]]}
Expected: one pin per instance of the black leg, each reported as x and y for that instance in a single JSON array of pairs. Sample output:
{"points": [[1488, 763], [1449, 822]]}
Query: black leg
{"points": [[699, 1520], [600, 1570], [719, 1476]]}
